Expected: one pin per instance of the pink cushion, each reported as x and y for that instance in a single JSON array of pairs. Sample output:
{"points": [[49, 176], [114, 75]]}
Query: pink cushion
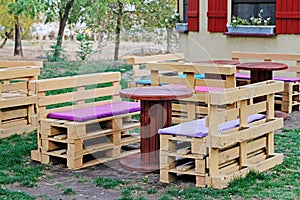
{"points": [[207, 89], [106, 110], [198, 88], [286, 79], [197, 128], [277, 78]]}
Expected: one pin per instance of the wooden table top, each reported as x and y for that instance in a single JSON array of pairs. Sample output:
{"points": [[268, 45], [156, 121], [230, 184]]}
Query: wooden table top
{"points": [[156, 93], [262, 66]]}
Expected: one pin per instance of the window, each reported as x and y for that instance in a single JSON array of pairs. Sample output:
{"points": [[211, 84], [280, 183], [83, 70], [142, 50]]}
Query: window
{"points": [[250, 8], [185, 9]]}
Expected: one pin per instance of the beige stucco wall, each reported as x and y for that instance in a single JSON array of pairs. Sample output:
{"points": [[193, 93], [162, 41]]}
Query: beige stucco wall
{"points": [[204, 45]]}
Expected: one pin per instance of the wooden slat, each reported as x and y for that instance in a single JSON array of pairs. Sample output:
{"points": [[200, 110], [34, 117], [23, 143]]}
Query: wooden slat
{"points": [[196, 68], [155, 58], [78, 95], [249, 91], [19, 72], [7, 63], [76, 81]]}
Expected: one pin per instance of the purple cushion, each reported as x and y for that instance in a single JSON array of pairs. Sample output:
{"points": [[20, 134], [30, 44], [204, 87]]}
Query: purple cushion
{"points": [[277, 78], [286, 79], [197, 128], [242, 76], [106, 110]]}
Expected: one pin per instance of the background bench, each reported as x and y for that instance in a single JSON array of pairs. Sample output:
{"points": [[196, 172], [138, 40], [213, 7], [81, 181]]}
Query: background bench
{"points": [[12, 63], [196, 106], [289, 99], [140, 75], [226, 144], [17, 103], [84, 140]]}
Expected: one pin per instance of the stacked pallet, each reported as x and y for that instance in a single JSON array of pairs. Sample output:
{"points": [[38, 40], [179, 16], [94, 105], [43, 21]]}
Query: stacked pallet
{"points": [[17, 103], [82, 120], [226, 144], [289, 99]]}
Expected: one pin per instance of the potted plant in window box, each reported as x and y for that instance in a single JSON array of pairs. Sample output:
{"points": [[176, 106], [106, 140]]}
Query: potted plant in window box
{"points": [[181, 27], [258, 25]]}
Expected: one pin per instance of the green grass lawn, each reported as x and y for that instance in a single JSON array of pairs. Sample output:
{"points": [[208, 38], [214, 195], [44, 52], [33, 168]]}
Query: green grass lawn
{"points": [[281, 182]]}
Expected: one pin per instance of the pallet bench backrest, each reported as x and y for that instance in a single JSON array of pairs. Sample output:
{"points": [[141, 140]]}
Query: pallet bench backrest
{"points": [[243, 97], [137, 62], [195, 106], [10, 63], [16, 80], [67, 93]]}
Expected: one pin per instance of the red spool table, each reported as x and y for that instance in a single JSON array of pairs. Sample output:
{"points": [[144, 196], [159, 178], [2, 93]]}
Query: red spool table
{"points": [[156, 113]]}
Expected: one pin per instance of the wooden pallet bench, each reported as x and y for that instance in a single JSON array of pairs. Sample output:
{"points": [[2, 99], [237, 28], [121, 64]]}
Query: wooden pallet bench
{"points": [[17, 103], [221, 77], [19, 63], [287, 100], [226, 144], [140, 75], [82, 121]]}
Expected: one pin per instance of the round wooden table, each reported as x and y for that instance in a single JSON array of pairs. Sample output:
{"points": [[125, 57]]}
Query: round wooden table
{"points": [[156, 113], [263, 71]]}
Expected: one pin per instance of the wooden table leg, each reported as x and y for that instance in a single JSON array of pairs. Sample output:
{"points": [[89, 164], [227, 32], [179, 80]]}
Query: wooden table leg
{"points": [[258, 76], [154, 115]]}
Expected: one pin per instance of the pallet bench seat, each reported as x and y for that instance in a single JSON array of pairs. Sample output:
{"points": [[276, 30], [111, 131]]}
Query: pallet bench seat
{"points": [[227, 144], [82, 121], [289, 99], [198, 128], [106, 110], [17, 103], [194, 107]]}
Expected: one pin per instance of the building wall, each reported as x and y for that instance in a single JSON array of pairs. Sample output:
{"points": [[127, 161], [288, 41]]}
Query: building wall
{"points": [[204, 45]]}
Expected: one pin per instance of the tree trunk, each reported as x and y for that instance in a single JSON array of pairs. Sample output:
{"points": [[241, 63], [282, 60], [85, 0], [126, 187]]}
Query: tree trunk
{"points": [[7, 35], [63, 17], [118, 30], [168, 40], [18, 42]]}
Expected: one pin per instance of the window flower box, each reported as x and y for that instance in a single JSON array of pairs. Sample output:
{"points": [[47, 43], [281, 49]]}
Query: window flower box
{"points": [[251, 29], [181, 27]]}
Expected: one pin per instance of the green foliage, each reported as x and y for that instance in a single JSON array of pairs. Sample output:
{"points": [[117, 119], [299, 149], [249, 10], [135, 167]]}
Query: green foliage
{"points": [[6, 194], [260, 20], [14, 160], [109, 183], [235, 21], [152, 191], [257, 21], [69, 191], [85, 47], [56, 54]]}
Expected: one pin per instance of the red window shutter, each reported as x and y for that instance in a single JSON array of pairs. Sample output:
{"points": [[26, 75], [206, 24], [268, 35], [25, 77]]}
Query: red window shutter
{"points": [[217, 15], [193, 15], [288, 16]]}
